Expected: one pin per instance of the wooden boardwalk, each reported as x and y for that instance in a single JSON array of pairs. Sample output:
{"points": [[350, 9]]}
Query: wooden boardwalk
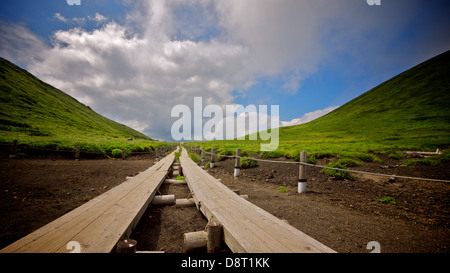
{"points": [[246, 227], [100, 223]]}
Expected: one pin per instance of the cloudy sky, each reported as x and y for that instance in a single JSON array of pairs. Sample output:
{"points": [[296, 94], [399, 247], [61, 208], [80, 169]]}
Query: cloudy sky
{"points": [[133, 61]]}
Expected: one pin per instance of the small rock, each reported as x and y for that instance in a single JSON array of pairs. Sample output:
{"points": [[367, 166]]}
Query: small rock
{"points": [[391, 179]]}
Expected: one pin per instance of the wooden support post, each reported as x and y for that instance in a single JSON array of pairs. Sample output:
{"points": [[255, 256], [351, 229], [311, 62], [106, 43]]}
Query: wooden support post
{"points": [[211, 165], [237, 163], [245, 196], [194, 241], [214, 236], [126, 246], [156, 152], [203, 154], [197, 149], [77, 153], [302, 173], [123, 154], [183, 203], [13, 149], [163, 200], [175, 182]]}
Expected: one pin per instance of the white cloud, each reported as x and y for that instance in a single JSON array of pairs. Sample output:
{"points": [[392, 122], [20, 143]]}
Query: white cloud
{"points": [[98, 18], [74, 20], [308, 117], [60, 17], [137, 71]]}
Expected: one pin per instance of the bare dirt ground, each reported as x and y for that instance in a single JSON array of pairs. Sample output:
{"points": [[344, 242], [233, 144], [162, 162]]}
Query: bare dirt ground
{"points": [[343, 214]]}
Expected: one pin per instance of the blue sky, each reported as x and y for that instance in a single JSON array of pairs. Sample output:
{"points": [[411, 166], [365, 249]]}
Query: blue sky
{"points": [[132, 61]]}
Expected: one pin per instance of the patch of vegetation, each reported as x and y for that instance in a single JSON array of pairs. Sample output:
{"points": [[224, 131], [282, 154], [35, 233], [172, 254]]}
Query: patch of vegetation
{"points": [[388, 200], [282, 189], [348, 162], [117, 153], [177, 156], [311, 160], [336, 173], [248, 163], [272, 154], [396, 155], [195, 157], [179, 177]]}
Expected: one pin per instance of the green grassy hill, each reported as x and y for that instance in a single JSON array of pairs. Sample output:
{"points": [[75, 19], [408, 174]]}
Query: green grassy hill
{"points": [[408, 112], [38, 114]]}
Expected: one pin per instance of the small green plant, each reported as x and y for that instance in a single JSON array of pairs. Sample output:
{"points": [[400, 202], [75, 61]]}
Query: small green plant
{"points": [[117, 153], [272, 154], [179, 177], [388, 200], [396, 155], [366, 158], [195, 157], [177, 156], [282, 189], [311, 160], [337, 174], [248, 163], [348, 162]]}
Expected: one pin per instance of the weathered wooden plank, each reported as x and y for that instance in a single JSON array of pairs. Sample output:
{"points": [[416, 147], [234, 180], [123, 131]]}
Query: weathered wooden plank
{"points": [[100, 223], [247, 228]]}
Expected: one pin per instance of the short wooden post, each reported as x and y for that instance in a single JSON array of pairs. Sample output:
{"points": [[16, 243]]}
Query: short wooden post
{"points": [[77, 153], [302, 173], [123, 154], [203, 154], [214, 236], [13, 149], [164, 200], [126, 246], [194, 241], [237, 163], [156, 152], [211, 164], [182, 203]]}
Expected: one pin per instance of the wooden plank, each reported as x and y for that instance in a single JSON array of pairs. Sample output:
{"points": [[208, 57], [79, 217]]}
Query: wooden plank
{"points": [[100, 223], [247, 228]]}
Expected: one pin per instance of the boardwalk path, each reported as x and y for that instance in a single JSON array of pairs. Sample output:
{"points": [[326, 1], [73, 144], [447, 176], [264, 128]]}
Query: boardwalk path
{"points": [[100, 223], [247, 228]]}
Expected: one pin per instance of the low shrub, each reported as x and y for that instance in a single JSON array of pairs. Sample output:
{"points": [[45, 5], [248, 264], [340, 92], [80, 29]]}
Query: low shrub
{"points": [[117, 153], [248, 163], [335, 173], [348, 162], [272, 154], [195, 157]]}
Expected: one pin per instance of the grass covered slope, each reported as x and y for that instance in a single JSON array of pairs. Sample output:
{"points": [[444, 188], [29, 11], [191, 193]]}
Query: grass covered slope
{"points": [[409, 111], [38, 114]]}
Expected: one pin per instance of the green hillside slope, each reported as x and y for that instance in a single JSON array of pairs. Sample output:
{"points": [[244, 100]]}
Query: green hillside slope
{"points": [[38, 114], [409, 111]]}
